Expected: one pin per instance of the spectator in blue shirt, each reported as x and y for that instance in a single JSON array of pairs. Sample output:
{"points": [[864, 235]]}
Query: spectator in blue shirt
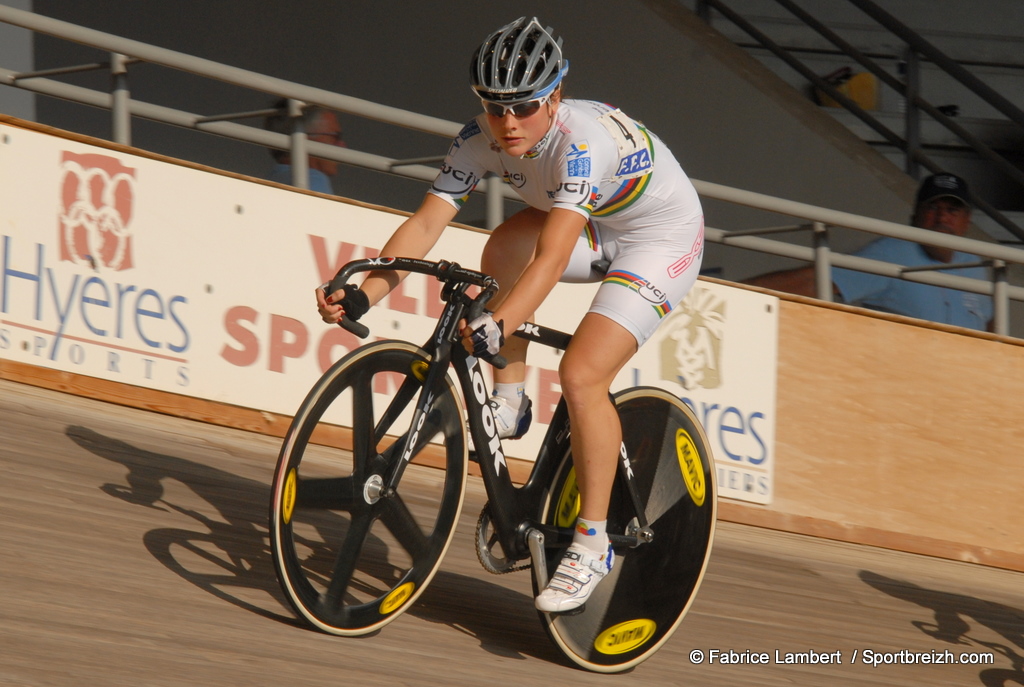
{"points": [[943, 205], [322, 126]]}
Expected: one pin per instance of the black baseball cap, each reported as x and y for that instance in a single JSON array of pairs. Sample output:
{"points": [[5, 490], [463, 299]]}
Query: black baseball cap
{"points": [[943, 186]]}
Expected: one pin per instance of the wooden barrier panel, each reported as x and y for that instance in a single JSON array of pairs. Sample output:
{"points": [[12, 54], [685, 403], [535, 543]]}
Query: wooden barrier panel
{"points": [[897, 433]]}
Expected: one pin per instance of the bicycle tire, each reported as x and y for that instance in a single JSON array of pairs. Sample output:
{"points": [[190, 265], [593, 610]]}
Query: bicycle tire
{"points": [[349, 559], [642, 601]]}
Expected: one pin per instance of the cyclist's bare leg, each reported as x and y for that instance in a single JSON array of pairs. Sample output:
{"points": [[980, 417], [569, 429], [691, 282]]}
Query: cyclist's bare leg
{"points": [[600, 348], [509, 250]]}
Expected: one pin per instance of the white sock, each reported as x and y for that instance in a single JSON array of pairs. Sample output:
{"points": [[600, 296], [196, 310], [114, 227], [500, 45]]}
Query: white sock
{"points": [[513, 393], [592, 534]]}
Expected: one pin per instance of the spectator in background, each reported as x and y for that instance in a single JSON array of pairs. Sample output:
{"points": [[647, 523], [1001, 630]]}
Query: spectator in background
{"points": [[322, 126], [943, 205]]}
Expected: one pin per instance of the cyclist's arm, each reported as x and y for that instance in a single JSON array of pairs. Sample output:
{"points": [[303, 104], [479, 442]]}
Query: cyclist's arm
{"points": [[554, 248], [413, 239]]}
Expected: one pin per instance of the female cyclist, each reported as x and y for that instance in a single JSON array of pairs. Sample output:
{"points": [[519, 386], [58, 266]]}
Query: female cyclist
{"points": [[603, 192]]}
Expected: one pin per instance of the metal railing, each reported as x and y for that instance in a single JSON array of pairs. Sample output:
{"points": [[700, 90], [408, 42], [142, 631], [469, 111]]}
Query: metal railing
{"points": [[917, 48], [996, 256], [124, 52]]}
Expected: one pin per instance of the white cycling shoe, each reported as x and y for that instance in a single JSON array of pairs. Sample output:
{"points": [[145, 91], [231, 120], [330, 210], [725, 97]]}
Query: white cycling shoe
{"points": [[511, 423], [575, 579]]}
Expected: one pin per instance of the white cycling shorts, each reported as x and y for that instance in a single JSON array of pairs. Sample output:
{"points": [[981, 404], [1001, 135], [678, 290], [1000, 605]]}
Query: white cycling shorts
{"points": [[649, 271]]}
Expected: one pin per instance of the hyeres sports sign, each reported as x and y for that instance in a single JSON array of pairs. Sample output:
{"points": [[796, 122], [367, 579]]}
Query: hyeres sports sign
{"points": [[165, 277]]}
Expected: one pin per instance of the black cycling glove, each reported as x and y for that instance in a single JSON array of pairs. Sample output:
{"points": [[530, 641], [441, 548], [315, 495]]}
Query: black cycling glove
{"points": [[354, 302]]}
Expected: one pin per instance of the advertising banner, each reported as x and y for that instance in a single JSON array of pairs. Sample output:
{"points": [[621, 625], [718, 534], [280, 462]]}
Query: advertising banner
{"points": [[170, 278]]}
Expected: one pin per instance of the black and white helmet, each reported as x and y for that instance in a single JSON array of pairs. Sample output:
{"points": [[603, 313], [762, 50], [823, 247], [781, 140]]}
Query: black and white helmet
{"points": [[521, 61]]}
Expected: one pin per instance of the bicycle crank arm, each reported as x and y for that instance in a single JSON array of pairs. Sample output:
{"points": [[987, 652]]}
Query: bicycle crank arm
{"points": [[561, 537], [630, 541], [535, 540], [635, 535]]}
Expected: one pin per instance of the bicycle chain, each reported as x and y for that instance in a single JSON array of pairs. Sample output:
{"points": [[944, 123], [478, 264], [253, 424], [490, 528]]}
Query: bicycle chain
{"points": [[490, 562]]}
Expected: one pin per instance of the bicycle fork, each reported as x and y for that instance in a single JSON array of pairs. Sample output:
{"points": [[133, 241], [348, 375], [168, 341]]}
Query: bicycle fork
{"points": [[434, 378]]}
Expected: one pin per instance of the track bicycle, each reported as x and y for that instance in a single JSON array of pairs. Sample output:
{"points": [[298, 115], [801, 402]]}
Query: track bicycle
{"points": [[353, 550]]}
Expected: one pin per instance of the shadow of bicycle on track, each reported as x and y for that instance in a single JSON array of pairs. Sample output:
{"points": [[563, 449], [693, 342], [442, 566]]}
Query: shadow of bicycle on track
{"points": [[231, 551], [502, 620], [949, 623]]}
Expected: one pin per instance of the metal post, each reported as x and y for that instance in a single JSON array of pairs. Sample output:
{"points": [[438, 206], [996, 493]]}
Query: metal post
{"points": [[822, 263], [495, 202], [119, 97], [1000, 299], [911, 114], [298, 152]]}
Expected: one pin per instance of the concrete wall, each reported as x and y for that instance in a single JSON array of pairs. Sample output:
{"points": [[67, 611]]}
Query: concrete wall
{"points": [[16, 53], [986, 38], [988, 35]]}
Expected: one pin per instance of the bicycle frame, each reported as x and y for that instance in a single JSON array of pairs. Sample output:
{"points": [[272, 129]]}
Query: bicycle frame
{"points": [[515, 511], [353, 552]]}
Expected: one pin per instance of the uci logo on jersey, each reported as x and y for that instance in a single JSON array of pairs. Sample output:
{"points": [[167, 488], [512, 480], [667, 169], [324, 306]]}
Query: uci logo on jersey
{"points": [[468, 178], [516, 179], [576, 188], [640, 161]]}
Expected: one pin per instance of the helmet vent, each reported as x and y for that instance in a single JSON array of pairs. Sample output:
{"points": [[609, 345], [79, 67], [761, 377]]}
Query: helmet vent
{"points": [[520, 61]]}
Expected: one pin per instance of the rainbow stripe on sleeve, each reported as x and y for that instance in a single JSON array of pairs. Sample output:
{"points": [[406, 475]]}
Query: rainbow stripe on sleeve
{"points": [[593, 241]]}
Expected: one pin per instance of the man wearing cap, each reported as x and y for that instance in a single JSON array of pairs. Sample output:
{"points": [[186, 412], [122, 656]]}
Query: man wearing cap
{"points": [[943, 204]]}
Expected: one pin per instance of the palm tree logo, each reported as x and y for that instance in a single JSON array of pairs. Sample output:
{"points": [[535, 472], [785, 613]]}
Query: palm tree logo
{"points": [[691, 349]]}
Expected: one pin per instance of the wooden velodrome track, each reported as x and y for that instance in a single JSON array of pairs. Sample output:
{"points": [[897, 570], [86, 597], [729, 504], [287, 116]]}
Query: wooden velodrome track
{"points": [[134, 552]]}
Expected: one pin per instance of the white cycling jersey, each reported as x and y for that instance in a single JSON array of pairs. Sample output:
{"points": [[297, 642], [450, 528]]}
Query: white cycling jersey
{"points": [[643, 213]]}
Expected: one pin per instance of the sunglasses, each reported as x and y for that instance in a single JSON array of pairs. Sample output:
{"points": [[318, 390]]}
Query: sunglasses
{"points": [[519, 110]]}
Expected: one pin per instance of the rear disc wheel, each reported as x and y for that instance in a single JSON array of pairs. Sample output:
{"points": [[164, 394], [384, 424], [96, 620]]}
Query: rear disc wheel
{"points": [[640, 603]]}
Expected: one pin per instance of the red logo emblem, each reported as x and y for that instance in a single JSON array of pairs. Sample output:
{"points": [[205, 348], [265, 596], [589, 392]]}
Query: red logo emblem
{"points": [[97, 198]]}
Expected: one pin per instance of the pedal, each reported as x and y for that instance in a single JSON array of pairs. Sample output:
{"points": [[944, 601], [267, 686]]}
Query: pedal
{"points": [[568, 614], [535, 539]]}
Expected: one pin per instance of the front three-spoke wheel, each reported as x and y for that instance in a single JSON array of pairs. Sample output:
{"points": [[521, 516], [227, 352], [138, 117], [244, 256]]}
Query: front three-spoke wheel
{"points": [[352, 549]]}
